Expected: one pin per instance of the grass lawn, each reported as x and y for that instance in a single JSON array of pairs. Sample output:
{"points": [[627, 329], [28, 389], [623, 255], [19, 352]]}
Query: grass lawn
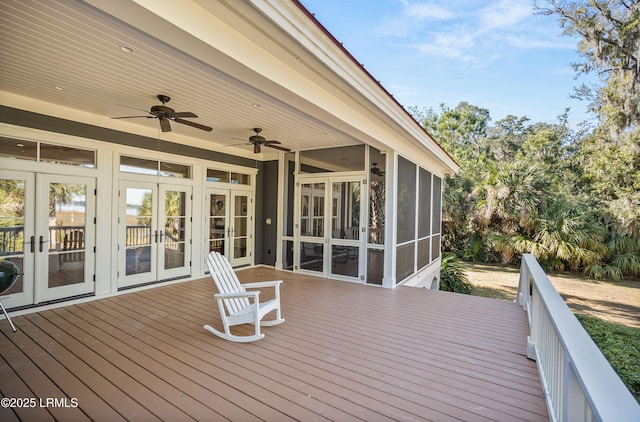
{"points": [[609, 311]]}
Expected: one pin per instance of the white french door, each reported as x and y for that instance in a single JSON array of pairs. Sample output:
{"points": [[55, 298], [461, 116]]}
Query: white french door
{"points": [[330, 223], [154, 233], [47, 228], [230, 225]]}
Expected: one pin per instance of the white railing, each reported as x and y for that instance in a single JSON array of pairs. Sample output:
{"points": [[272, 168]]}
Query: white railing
{"points": [[578, 382]]}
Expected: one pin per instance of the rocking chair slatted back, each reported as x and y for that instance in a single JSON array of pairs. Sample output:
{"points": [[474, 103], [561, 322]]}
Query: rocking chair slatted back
{"points": [[227, 282]]}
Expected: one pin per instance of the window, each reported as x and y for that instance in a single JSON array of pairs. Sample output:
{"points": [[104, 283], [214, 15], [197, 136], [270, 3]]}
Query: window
{"points": [[47, 153], [154, 167], [225, 176]]}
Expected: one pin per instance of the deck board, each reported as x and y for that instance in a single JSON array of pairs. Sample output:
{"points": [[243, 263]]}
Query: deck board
{"points": [[345, 352]]}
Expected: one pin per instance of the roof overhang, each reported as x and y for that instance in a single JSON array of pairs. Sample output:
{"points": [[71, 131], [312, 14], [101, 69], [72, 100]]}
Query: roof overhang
{"points": [[237, 64]]}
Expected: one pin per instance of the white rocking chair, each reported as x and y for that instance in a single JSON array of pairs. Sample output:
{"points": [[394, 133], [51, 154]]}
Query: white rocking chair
{"points": [[233, 301]]}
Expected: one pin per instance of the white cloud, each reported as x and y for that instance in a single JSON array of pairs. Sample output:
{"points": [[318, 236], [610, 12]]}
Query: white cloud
{"points": [[413, 17], [480, 31], [505, 14], [449, 45], [427, 11]]}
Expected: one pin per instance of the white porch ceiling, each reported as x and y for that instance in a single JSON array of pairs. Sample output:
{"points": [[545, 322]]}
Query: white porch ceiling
{"points": [[69, 56]]}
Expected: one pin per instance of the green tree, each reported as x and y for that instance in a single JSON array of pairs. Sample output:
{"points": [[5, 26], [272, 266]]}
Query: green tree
{"points": [[609, 40]]}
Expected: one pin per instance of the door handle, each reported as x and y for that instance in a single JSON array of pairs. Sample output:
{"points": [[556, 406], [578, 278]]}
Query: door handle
{"points": [[32, 243], [160, 239], [42, 241]]}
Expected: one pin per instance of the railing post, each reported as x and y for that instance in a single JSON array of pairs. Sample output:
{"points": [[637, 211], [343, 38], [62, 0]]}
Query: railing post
{"points": [[526, 293], [534, 326], [523, 289]]}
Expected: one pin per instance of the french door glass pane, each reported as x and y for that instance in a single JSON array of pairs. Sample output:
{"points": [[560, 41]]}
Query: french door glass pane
{"points": [[217, 222], [138, 237], [12, 221], [174, 229], [67, 228], [240, 229], [240, 248]]}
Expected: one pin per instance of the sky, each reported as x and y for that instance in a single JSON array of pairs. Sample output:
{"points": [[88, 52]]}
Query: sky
{"points": [[495, 54]]}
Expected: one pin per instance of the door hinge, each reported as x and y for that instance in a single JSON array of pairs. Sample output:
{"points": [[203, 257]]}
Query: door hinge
{"points": [[95, 220], [190, 264], [362, 277], [95, 191], [94, 249], [94, 277]]}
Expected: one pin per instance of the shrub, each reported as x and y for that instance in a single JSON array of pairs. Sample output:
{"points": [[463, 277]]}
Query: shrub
{"points": [[620, 345], [452, 277]]}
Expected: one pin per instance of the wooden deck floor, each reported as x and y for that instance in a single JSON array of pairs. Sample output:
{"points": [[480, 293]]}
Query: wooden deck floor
{"points": [[345, 352]]}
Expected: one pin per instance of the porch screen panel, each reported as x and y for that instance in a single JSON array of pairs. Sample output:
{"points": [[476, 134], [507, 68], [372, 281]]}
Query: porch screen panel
{"points": [[437, 204], [375, 266], [424, 204], [435, 247], [406, 218], [424, 247], [405, 261]]}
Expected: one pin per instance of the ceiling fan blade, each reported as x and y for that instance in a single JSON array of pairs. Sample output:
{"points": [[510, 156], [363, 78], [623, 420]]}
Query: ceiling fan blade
{"points": [[193, 124], [133, 108], [164, 124], [245, 144], [272, 142], [184, 114], [277, 147], [130, 117]]}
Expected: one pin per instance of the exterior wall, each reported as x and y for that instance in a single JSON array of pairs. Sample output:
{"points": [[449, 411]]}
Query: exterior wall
{"points": [[107, 176]]}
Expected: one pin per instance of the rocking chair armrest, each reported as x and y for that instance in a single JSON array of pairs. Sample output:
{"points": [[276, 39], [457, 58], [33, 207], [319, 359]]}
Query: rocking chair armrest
{"points": [[236, 295], [259, 284]]}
